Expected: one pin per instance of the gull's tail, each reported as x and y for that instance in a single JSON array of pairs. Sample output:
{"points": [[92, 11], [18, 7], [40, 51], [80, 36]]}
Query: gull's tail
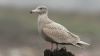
{"points": [[82, 43]]}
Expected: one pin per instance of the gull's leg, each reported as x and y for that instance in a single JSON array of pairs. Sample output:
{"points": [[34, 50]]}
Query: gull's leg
{"points": [[51, 46], [57, 46]]}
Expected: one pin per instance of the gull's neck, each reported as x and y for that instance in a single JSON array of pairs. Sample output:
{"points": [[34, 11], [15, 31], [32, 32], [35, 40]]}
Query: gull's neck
{"points": [[45, 15], [43, 18]]}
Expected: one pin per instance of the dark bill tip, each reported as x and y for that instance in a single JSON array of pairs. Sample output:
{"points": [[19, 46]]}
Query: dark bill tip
{"points": [[30, 12]]}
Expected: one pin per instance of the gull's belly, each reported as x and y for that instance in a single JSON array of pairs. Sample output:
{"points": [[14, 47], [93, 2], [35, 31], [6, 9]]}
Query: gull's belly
{"points": [[47, 38]]}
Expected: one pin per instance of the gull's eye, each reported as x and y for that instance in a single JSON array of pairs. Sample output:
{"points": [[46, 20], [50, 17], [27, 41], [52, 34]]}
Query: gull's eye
{"points": [[40, 8]]}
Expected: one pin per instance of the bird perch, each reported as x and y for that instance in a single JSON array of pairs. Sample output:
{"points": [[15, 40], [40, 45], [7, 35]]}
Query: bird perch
{"points": [[59, 52]]}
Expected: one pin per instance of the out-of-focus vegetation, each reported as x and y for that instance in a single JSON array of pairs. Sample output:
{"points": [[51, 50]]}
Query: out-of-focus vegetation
{"points": [[19, 35]]}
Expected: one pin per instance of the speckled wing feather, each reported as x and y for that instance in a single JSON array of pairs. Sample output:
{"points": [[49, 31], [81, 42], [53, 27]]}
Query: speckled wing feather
{"points": [[59, 33]]}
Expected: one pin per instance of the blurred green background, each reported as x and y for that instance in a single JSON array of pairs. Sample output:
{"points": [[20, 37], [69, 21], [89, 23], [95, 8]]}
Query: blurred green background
{"points": [[18, 28]]}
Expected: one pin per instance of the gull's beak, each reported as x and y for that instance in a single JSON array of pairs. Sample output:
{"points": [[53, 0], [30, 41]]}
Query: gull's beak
{"points": [[34, 11], [31, 12]]}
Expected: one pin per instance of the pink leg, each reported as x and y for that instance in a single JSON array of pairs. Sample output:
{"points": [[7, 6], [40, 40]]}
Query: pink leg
{"points": [[51, 46], [57, 46]]}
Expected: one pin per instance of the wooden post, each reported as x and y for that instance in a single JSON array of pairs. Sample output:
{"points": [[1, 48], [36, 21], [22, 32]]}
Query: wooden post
{"points": [[59, 52]]}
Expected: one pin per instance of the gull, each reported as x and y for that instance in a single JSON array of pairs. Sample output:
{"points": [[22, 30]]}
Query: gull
{"points": [[54, 32]]}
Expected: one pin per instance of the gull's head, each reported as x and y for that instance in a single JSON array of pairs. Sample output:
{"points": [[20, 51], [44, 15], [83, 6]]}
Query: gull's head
{"points": [[40, 10]]}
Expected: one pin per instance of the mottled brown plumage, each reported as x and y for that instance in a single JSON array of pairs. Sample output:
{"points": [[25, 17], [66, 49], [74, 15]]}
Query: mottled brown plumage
{"points": [[54, 32]]}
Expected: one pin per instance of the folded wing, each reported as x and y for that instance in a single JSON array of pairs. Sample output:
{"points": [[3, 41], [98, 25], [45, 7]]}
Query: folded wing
{"points": [[59, 33]]}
